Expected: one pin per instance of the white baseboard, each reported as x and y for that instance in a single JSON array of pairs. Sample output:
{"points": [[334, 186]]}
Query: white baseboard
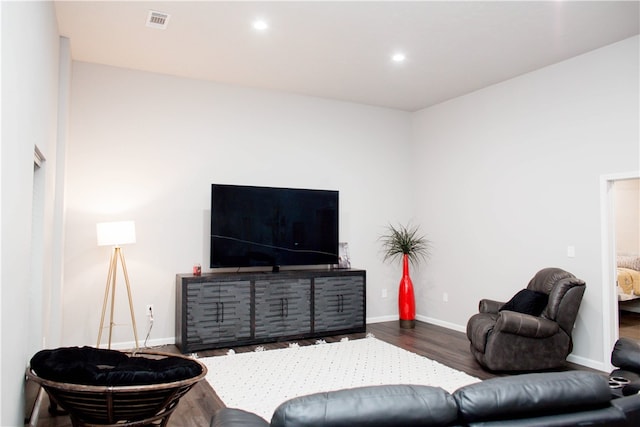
{"points": [[425, 319], [381, 319], [128, 345], [589, 363], [437, 322]]}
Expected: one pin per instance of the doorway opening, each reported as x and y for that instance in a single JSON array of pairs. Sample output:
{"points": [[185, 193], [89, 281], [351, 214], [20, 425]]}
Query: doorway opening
{"points": [[626, 195], [620, 209]]}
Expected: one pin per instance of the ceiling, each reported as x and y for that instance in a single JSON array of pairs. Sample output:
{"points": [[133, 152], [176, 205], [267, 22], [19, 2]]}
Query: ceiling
{"points": [[342, 50]]}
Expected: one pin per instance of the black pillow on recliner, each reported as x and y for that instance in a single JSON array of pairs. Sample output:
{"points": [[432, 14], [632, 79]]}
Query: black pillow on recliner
{"points": [[528, 302]]}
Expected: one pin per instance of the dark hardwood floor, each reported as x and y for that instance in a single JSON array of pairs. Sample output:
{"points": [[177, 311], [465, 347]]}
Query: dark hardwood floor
{"points": [[629, 324], [444, 345]]}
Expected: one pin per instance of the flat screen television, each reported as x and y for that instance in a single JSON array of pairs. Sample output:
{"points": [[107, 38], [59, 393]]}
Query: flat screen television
{"points": [[272, 227]]}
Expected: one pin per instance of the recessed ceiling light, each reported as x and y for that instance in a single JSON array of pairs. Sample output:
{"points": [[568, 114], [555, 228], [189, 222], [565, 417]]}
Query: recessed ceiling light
{"points": [[260, 24], [398, 57]]}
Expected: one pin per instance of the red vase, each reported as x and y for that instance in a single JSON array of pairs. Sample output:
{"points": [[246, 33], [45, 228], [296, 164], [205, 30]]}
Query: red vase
{"points": [[406, 299]]}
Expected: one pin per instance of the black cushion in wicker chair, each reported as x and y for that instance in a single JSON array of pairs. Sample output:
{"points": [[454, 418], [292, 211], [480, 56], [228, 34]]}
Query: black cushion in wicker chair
{"points": [[93, 366]]}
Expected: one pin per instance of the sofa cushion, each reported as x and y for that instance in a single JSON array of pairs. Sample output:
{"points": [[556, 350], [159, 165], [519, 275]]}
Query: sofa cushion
{"points": [[528, 302], [396, 405], [237, 418], [626, 355], [93, 366], [531, 395]]}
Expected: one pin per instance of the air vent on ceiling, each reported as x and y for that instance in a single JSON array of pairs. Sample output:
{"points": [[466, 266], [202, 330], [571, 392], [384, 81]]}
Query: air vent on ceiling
{"points": [[157, 19]]}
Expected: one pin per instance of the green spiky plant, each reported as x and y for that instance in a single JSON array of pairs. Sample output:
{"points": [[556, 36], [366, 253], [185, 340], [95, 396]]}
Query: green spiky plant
{"points": [[405, 240]]}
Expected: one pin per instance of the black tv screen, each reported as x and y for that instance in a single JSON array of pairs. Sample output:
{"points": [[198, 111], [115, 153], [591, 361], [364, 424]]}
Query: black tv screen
{"points": [[272, 227]]}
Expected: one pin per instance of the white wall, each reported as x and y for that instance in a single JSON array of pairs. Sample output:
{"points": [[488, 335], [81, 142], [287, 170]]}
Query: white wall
{"points": [[29, 113], [148, 147], [510, 178], [502, 180]]}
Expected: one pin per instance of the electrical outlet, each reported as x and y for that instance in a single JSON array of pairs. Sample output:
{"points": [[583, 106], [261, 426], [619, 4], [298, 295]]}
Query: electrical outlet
{"points": [[149, 310], [384, 293], [445, 297]]}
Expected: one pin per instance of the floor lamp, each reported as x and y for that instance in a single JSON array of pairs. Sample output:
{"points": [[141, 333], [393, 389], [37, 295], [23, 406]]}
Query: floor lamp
{"points": [[116, 234]]}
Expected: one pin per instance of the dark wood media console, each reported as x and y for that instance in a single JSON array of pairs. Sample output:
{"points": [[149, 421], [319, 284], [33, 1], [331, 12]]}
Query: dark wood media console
{"points": [[231, 309]]}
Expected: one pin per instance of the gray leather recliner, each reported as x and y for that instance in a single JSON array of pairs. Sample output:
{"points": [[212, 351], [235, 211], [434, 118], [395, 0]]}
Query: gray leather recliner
{"points": [[505, 340]]}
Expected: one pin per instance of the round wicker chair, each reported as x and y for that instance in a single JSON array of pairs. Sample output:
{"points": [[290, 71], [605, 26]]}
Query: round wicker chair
{"points": [[120, 405]]}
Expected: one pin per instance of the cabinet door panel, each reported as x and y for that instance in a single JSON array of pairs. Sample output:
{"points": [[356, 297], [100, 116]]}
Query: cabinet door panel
{"points": [[218, 312], [283, 307], [298, 309], [235, 311], [339, 303], [270, 296], [201, 312]]}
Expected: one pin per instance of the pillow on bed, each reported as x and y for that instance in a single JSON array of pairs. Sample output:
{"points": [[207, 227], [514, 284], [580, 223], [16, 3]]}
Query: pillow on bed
{"points": [[528, 302], [629, 261]]}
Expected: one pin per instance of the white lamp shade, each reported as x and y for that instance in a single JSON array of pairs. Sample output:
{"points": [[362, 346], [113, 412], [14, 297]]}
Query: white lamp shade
{"points": [[116, 233]]}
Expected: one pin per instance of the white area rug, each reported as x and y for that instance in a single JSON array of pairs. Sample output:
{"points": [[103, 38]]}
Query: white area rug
{"points": [[260, 381]]}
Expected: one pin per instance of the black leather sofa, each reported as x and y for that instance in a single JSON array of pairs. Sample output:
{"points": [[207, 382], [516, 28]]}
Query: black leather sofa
{"points": [[573, 398], [625, 380]]}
